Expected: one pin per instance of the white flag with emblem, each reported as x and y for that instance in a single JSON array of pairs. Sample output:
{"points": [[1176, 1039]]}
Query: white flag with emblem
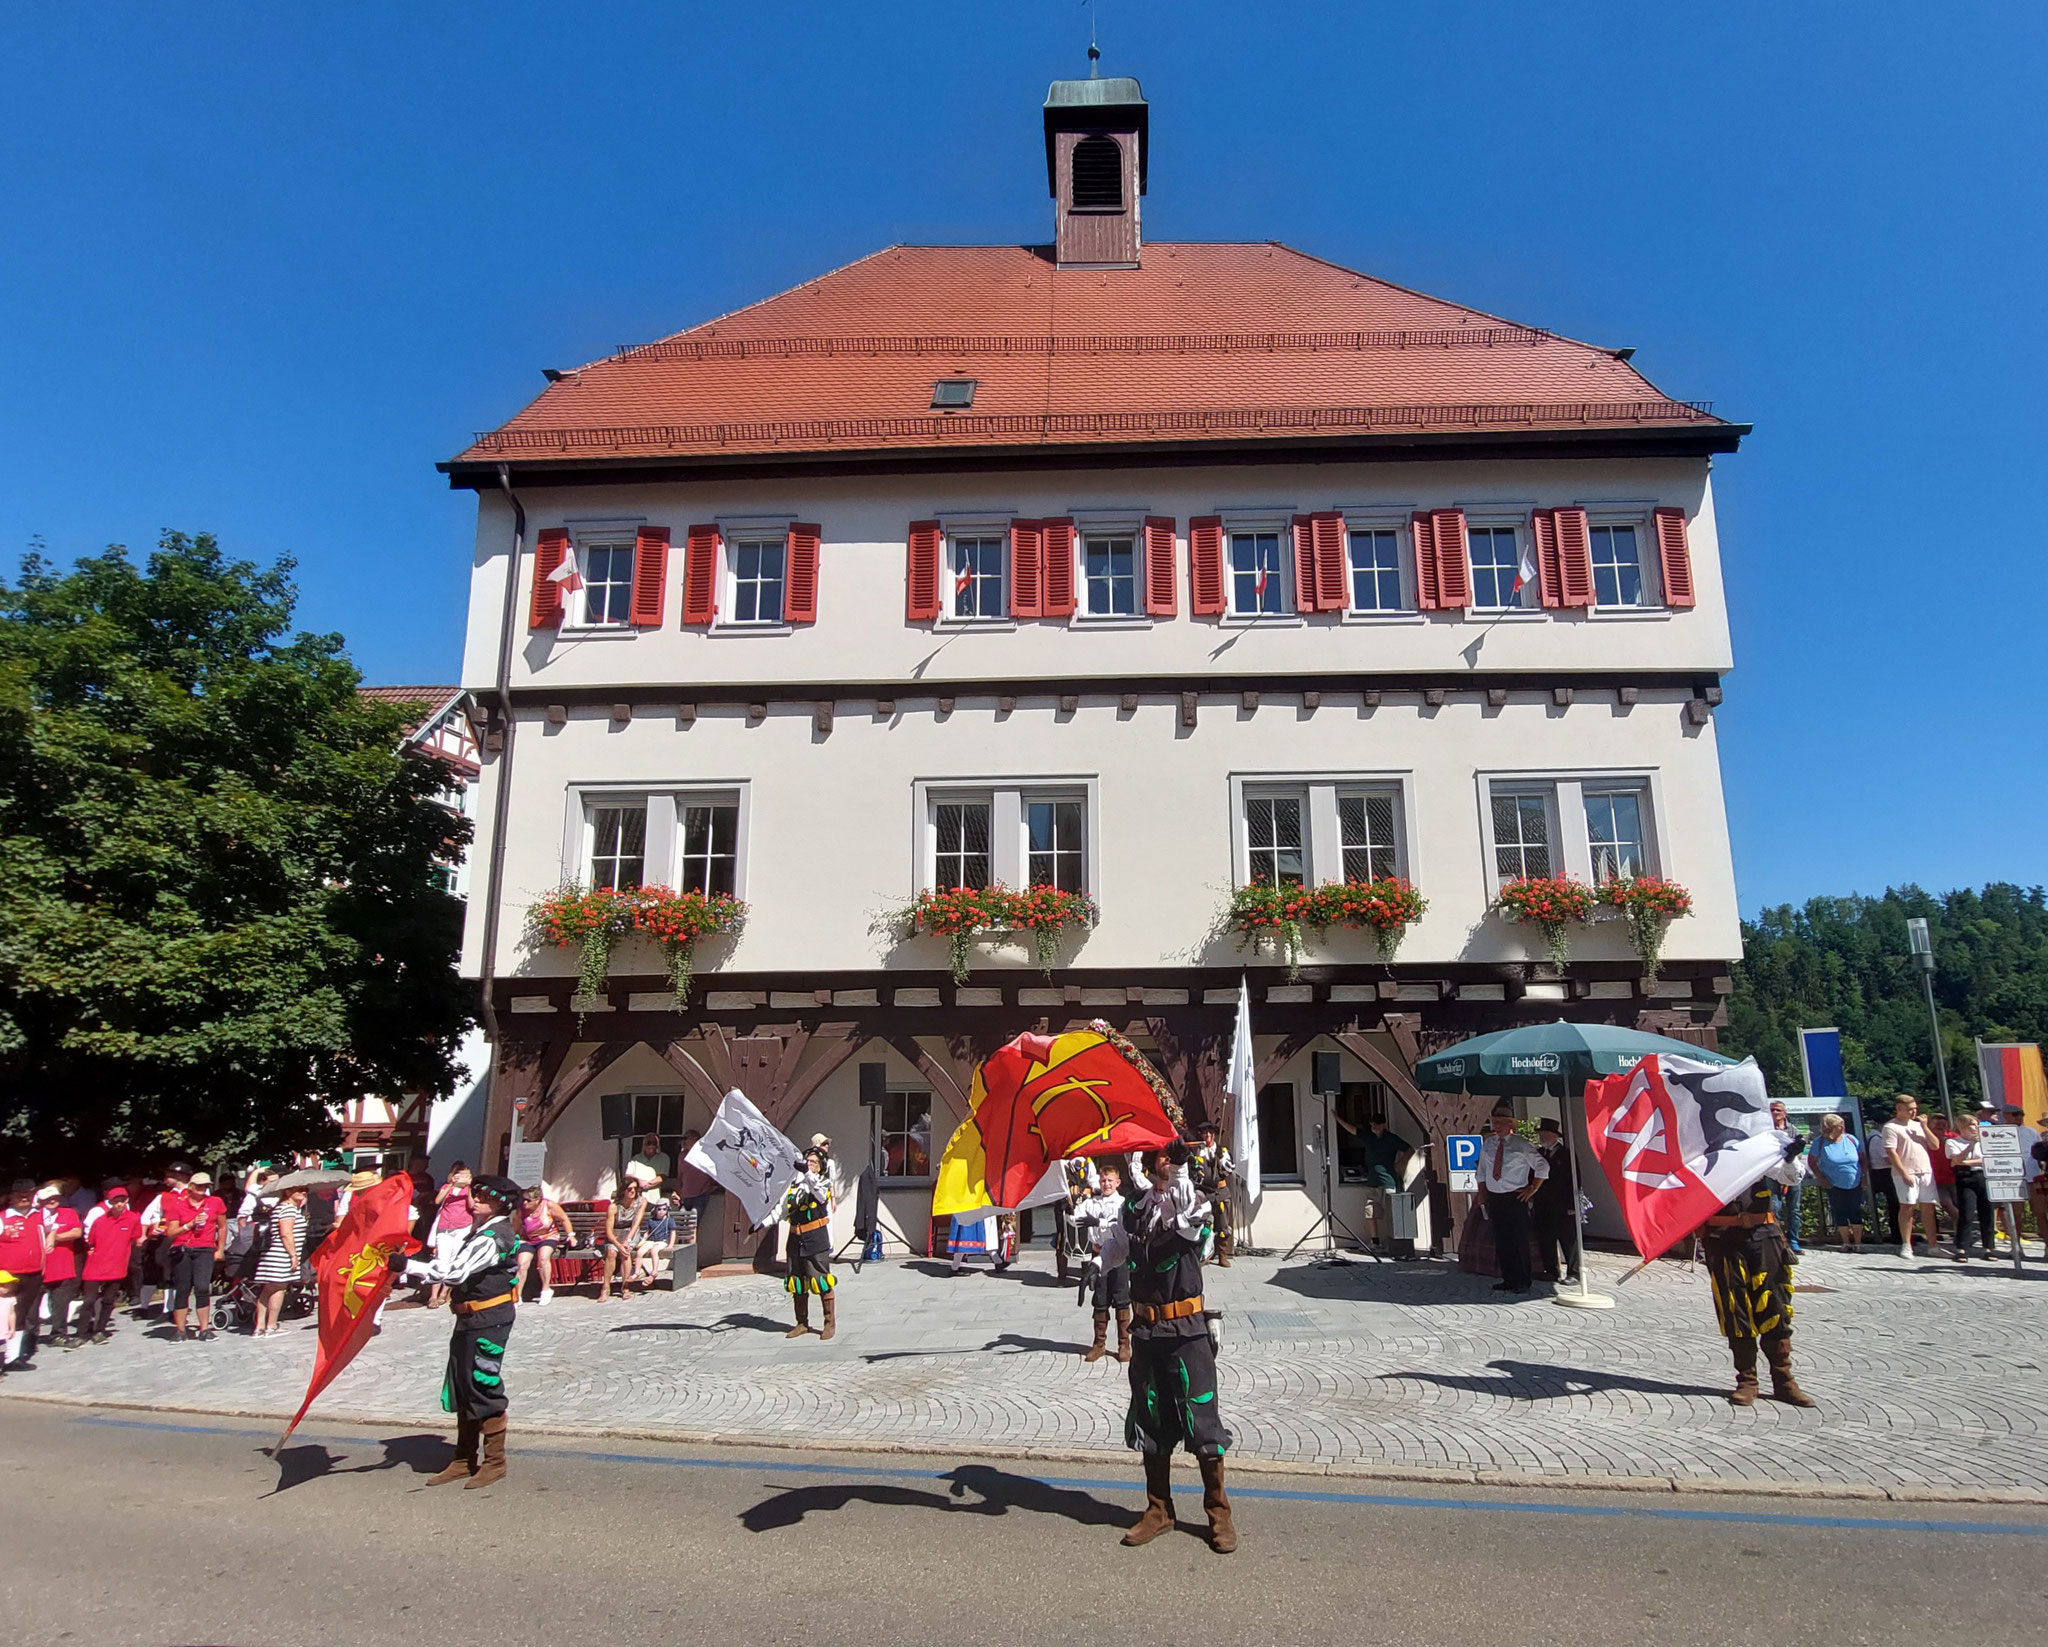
{"points": [[747, 1156], [1241, 1082]]}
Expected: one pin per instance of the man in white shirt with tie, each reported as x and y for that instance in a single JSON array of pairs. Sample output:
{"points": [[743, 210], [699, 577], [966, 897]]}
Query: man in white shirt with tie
{"points": [[1511, 1170]]}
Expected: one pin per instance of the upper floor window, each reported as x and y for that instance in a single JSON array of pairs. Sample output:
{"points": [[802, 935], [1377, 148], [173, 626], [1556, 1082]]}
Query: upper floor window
{"points": [[1110, 571], [1614, 832], [1375, 570], [1055, 844], [961, 847], [1255, 586], [710, 847], [607, 582], [977, 581], [1366, 822], [759, 571], [1521, 835], [1617, 566], [1274, 841], [1496, 562], [617, 845]]}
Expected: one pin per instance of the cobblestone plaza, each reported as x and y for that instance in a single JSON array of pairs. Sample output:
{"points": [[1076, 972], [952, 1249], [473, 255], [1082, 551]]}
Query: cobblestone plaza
{"points": [[1928, 1378]]}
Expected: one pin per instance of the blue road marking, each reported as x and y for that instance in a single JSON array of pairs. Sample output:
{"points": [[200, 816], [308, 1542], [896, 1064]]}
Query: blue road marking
{"points": [[1378, 1501]]}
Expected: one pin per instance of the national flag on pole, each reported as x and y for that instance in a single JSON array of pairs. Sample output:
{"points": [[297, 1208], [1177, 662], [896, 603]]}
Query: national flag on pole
{"points": [[749, 1158], [353, 1270], [2013, 1075], [567, 579], [1240, 1081], [1678, 1139], [1525, 568]]}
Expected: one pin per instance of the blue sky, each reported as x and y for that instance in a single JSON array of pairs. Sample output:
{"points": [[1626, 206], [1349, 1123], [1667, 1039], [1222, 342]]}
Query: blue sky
{"points": [[267, 264]]}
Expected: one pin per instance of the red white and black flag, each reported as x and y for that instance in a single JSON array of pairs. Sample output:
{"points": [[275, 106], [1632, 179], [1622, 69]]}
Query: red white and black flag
{"points": [[1678, 1139]]}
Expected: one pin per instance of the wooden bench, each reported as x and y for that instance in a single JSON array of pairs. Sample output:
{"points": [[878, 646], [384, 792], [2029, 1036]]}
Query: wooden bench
{"points": [[581, 1264]]}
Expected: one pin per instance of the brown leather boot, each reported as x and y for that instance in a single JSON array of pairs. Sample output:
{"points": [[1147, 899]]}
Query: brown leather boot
{"points": [[463, 1465], [1158, 1516], [831, 1303], [1744, 1351], [802, 1300], [1123, 1335], [493, 1466], [1097, 1350], [1222, 1530], [1784, 1387]]}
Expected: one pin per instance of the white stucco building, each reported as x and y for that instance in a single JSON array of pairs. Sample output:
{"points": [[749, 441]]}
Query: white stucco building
{"points": [[1145, 569]]}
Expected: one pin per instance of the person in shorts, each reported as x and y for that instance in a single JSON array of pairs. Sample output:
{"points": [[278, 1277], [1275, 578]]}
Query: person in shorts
{"points": [[1911, 1149], [544, 1230]]}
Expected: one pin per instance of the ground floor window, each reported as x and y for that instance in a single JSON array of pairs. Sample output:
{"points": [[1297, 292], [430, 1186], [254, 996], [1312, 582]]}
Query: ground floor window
{"points": [[1279, 1137], [907, 1135]]}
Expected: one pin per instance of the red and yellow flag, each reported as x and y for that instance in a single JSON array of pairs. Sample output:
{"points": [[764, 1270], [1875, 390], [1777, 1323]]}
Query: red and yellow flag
{"points": [[353, 1270]]}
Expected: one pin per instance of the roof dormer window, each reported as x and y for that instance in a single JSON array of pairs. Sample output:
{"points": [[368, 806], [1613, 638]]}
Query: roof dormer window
{"points": [[954, 393], [1098, 175]]}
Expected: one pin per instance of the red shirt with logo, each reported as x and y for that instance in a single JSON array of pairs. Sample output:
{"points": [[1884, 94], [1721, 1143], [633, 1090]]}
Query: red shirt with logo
{"points": [[62, 1262], [204, 1217], [21, 1241], [109, 1241]]}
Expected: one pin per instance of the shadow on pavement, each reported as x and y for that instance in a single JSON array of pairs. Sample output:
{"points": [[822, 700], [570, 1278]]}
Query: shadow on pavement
{"points": [[1009, 1343], [1394, 1283], [728, 1323], [1539, 1381], [996, 1492], [423, 1454]]}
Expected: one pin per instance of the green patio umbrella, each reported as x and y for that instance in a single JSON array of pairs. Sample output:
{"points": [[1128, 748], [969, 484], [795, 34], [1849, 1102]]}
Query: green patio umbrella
{"points": [[1555, 1058]]}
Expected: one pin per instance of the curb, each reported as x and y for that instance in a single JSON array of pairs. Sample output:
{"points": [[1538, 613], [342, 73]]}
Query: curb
{"points": [[1341, 1470]]}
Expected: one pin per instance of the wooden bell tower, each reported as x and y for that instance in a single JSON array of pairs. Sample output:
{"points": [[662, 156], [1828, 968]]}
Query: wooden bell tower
{"points": [[1095, 164]]}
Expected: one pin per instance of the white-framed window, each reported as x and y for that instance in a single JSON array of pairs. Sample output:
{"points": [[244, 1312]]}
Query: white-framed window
{"points": [[1522, 834], [1318, 828], [1373, 566], [962, 843], [1496, 554], [709, 859], [1371, 840], [906, 1128], [1019, 833], [1614, 831], [759, 568], [616, 855], [976, 575], [1276, 838], [1617, 564], [606, 565], [1111, 575], [1592, 827], [1258, 585]]}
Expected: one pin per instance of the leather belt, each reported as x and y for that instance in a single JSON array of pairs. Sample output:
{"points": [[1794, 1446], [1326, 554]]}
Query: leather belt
{"points": [[805, 1229], [476, 1305], [1741, 1220], [1149, 1313]]}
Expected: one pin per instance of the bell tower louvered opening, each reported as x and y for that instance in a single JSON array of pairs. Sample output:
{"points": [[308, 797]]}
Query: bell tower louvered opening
{"points": [[1095, 133]]}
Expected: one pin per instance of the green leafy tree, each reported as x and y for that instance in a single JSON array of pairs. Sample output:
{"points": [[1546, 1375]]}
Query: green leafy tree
{"points": [[217, 913], [1846, 962]]}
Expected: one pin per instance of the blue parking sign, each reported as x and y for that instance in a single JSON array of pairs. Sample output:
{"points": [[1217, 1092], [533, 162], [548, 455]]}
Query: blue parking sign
{"points": [[1462, 1149]]}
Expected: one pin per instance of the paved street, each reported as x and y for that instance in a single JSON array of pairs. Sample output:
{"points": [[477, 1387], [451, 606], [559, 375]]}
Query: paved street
{"points": [[136, 1530], [1928, 1379]]}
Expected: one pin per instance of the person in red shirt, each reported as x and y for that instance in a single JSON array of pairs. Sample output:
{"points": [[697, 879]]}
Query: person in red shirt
{"points": [[195, 1224], [62, 1233], [21, 1270], [110, 1232]]}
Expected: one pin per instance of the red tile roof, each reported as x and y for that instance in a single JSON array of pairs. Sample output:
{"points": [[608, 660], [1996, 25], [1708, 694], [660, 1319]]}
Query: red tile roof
{"points": [[435, 699], [1202, 343]]}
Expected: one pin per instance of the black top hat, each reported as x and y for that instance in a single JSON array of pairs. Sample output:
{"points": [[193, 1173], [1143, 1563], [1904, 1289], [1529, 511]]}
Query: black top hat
{"points": [[1548, 1125]]}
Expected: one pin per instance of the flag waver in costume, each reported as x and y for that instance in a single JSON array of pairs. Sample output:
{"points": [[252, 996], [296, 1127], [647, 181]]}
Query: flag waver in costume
{"points": [[482, 1278], [352, 1271]]}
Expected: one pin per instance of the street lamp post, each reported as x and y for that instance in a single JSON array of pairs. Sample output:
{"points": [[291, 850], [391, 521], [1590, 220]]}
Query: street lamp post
{"points": [[1923, 952]]}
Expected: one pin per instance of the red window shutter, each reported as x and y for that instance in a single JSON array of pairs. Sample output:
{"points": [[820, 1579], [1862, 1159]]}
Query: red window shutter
{"points": [[1543, 529], [550, 549], [1027, 568], [1304, 564], [1161, 601], [1205, 566], [650, 576], [921, 584], [700, 575], [1423, 532], [1332, 576], [1675, 551], [1574, 558], [1453, 559], [800, 578], [1059, 568]]}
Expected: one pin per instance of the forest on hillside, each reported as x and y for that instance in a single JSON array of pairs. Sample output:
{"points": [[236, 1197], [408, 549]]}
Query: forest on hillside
{"points": [[1846, 963]]}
